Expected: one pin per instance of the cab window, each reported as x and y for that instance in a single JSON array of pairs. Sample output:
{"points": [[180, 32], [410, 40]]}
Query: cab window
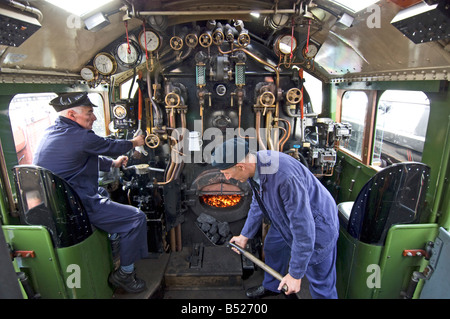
{"points": [[31, 115], [354, 110], [401, 125]]}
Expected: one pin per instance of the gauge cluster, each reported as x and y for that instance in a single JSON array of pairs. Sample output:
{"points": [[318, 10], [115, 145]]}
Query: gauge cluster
{"points": [[145, 43], [123, 54]]}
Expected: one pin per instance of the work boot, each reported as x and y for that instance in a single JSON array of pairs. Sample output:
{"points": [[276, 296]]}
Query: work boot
{"points": [[129, 282], [259, 292]]}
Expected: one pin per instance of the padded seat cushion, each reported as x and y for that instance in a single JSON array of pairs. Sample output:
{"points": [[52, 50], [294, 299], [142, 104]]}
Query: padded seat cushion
{"points": [[344, 210]]}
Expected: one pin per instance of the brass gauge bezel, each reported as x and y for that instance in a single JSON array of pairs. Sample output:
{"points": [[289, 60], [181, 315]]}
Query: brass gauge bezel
{"points": [[119, 108], [109, 58], [280, 40], [152, 35], [90, 69], [312, 51]]}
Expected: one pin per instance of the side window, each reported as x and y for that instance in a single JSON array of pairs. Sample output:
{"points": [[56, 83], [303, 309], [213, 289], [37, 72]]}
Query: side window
{"points": [[99, 125], [354, 110], [128, 88], [401, 125], [30, 115], [314, 88]]}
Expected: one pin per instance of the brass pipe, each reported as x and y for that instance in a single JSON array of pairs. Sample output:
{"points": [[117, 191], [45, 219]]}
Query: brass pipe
{"points": [[179, 245], [287, 136], [173, 240], [258, 127], [209, 13]]}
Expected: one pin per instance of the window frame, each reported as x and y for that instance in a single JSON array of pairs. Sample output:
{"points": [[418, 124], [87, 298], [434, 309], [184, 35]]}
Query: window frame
{"points": [[368, 133]]}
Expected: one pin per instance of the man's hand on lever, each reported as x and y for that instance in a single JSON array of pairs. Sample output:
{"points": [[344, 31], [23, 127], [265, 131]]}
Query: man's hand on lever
{"points": [[139, 140], [120, 161], [240, 240], [293, 285]]}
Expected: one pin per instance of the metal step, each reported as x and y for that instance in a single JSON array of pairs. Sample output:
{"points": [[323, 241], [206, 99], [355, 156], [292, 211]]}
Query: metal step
{"points": [[201, 267]]}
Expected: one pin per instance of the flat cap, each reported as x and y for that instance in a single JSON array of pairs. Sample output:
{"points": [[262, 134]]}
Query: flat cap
{"points": [[229, 153], [68, 100]]}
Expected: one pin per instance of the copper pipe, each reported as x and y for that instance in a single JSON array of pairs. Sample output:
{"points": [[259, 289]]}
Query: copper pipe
{"points": [[258, 127], [179, 245], [172, 240], [287, 136]]}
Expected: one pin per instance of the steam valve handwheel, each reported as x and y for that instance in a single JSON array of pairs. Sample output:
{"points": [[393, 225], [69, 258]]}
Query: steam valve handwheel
{"points": [[172, 99], [267, 99], [294, 95], [176, 43], [205, 40], [243, 39], [152, 140], [218, 37], [191, 40]]}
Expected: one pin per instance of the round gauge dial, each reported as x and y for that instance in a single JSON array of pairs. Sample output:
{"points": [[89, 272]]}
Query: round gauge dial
{"points": [[119, 111], [287, 44], [88, 73], [312, 51], [149, 40], [105, 63], [128, 58]]}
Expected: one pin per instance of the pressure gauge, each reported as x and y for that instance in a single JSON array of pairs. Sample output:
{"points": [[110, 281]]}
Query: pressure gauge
{"points": [[88, 73], [105, 63], [149, 40], [312, 51], [128, 58], [286, 44], [119, 111]]}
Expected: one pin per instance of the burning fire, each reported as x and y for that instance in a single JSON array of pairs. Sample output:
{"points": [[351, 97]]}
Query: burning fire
{"points": [[221, 200]]}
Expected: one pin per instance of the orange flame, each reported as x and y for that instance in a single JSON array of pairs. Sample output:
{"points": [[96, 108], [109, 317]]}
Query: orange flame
{"points": [[221, 200]]}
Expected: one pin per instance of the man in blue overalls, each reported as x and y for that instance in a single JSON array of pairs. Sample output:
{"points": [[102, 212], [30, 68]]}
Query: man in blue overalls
{"points": [[304, 221], [73, 151]]}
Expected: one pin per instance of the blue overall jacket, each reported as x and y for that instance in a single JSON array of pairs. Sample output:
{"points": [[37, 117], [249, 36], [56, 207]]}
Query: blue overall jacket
{"points": [[300, 208], [74, 153]]}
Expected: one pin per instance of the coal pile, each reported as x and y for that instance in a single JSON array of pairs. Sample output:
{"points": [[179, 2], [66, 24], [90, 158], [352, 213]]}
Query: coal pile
{"points": [[217, 232]]}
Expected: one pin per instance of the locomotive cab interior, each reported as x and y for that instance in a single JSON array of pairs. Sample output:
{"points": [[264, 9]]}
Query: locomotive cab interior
{"points": [[359, 95]]}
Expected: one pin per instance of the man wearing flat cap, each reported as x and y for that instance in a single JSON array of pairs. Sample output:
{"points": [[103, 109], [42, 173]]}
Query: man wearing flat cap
{"points": [[73, 151], [301, 240]]}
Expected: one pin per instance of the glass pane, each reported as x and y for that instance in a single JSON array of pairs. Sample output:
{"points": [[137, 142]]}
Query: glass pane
{"points": [[354, 109], [402, 120], [125, 88], [314, 88], [99, 124], [30, 115]]}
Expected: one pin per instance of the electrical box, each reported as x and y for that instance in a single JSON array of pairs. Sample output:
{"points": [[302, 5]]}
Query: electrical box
{"points": [[16, 27]]}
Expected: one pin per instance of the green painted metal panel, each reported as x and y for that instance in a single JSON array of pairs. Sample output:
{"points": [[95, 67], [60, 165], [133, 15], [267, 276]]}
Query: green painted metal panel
{"points": [[86, 267], [43, 270], [353, 266], [396, 269], [53, 273]]}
